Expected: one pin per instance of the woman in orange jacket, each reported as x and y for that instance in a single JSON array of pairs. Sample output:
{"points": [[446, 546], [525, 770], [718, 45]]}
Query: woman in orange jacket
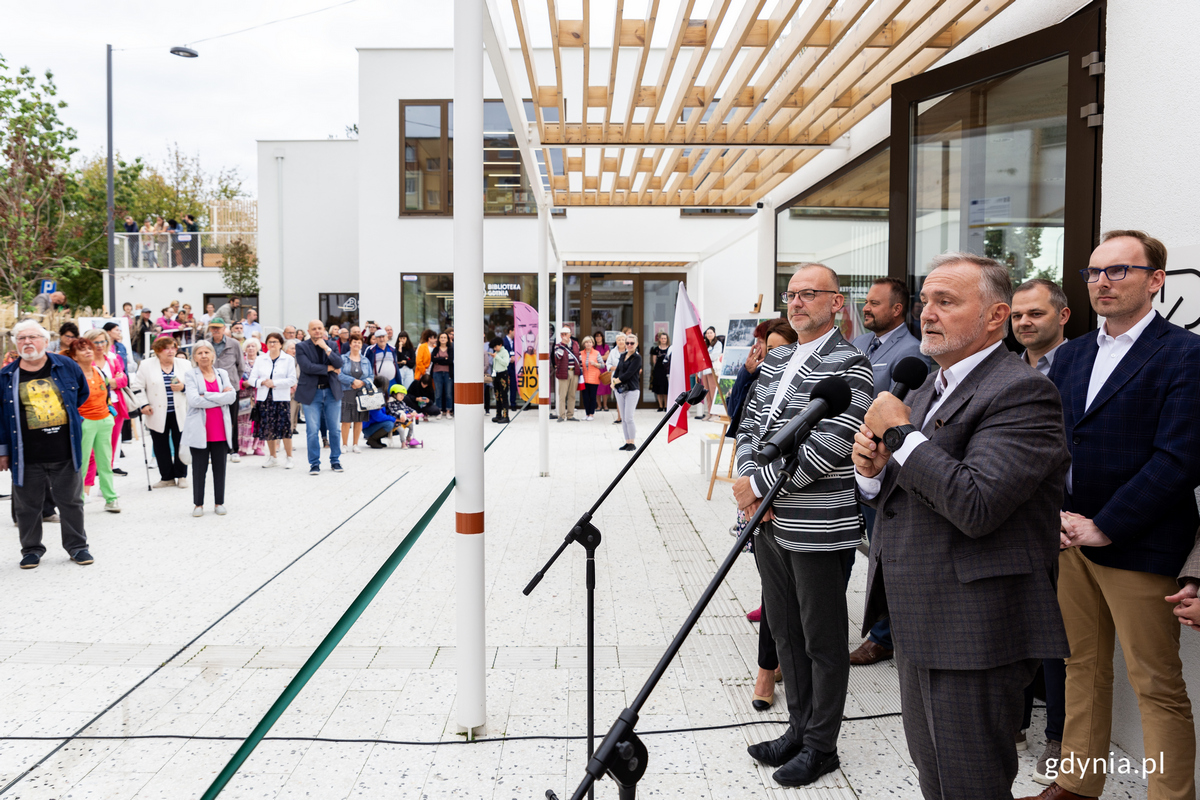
{"points": [[424, 353]]}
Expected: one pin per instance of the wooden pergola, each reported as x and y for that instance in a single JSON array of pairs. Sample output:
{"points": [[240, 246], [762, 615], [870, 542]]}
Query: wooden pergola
{"points": [[723, 126]]}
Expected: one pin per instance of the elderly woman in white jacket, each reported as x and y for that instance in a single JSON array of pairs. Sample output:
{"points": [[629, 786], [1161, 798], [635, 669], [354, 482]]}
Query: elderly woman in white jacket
{"points": [[208, 429], [157, 387], [274, 374]]}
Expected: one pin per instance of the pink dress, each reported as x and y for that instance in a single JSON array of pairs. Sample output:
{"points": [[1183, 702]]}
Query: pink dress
{"points": [[214, 418], [604, 388]]}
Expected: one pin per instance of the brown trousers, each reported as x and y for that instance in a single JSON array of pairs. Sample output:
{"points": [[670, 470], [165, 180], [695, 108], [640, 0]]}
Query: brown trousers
{"points": [[1100, 603], [566, 395]]}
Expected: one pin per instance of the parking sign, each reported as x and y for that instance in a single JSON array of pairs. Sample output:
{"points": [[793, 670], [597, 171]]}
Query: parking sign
{"points": [[49, 286]]}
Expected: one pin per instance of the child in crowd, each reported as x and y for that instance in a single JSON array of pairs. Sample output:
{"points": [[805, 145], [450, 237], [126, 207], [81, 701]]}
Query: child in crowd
{"points": [[500, 361], [406, 418], [421, 395]]}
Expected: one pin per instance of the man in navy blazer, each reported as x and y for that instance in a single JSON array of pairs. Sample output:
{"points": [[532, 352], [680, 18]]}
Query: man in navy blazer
{"points": [[320, 392], [1131, 406], [889, 341]]}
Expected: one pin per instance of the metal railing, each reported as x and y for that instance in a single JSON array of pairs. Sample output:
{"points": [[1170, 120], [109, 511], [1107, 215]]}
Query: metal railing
{"points": [[170, 249]]}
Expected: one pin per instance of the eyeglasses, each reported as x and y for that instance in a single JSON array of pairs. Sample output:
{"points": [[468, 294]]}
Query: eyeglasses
{"points": [[1116, 272], [807, 295]]}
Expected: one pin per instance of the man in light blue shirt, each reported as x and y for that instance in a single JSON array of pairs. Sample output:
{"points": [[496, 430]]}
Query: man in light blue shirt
{"points": [[888, 341]]}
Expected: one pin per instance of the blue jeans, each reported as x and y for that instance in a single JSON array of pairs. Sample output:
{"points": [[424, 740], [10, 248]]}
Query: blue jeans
{"points": [[323, 408], [443, 386]]}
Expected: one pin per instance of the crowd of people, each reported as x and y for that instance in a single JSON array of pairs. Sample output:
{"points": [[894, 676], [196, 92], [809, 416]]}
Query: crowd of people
{"points": [[1026, 506]]}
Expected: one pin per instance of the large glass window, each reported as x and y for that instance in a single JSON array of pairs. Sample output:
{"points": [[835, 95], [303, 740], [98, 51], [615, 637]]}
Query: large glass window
{"points": [[989, 172], [842, 223], [506, 183], [338, 309], [427, 302], [428, 149]]}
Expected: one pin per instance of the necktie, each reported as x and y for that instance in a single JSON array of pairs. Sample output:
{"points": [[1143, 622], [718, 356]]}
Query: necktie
{"points": [[873, 346]]}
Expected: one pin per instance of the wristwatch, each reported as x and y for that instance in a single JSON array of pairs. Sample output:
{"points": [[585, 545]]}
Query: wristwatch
{"points": [[894, 437]]}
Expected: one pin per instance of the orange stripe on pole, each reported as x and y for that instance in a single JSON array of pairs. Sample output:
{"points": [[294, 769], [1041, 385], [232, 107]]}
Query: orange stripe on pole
{"points": [[468, 523], [468, 394], [543, 356]]}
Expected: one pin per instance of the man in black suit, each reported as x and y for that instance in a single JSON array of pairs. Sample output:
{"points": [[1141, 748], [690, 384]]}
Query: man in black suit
{"points": [[1130, 401], [320, 392], [967, 484]]}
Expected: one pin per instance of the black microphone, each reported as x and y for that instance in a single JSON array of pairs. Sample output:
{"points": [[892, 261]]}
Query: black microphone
{"points": [[829, 398], [908, 374], [696, 394]]}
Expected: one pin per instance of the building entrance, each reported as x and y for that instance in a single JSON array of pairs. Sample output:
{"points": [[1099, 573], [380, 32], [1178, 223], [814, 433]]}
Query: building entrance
{"points": [[601, 304]]}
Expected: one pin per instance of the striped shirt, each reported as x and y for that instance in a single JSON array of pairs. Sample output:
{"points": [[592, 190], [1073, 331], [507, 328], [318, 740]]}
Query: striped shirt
{"points": [[167, 378]]}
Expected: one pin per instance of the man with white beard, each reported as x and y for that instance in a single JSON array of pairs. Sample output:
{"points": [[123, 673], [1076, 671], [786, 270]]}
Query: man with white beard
{"points": [[41, 440]]}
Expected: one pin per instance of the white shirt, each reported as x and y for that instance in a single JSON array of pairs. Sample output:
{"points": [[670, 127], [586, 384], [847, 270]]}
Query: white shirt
{"points": [[945, 383], [1111, 350], [799, 356]]}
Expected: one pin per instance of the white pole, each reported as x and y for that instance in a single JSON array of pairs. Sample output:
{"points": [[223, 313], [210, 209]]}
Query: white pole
{"points": [[559, 301], [468, 386], [543, 339]]}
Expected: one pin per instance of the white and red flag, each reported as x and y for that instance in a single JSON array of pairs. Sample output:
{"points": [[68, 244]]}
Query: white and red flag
{"points": [[689, 356]]}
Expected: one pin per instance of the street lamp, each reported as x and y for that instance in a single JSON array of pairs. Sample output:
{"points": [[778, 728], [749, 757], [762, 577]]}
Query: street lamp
{"points": [[185, 52]]}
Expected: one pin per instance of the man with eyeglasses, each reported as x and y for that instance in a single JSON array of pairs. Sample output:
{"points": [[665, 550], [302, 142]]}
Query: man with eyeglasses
{"points": [[808, 537], [41, 440], [1129, 520]]}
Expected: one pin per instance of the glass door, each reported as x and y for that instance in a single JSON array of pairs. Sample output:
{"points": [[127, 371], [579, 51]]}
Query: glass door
{"points": [[658, 315]]}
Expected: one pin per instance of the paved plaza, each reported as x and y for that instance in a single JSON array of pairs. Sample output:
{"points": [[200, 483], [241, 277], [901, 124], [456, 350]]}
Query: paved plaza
{"points": [[180, 603]]}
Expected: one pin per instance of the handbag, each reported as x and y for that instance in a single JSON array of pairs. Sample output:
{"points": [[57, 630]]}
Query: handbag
{"points": [[368, 399]]}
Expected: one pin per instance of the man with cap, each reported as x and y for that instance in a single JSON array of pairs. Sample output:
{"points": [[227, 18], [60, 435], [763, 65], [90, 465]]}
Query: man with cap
{"points": [[229, 358], [565, 359], [382, 356]]}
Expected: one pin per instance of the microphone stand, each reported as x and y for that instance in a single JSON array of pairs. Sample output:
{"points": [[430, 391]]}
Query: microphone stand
{"points": [[587, 535], [621, 754]]}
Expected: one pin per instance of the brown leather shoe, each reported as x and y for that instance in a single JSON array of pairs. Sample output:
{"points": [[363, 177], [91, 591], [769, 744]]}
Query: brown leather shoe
{"points": [[1056, 792], [869, 653]]}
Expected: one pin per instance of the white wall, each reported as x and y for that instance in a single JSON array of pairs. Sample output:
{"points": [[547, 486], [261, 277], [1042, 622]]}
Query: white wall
{"points": [[320, 226], [156, 288]]}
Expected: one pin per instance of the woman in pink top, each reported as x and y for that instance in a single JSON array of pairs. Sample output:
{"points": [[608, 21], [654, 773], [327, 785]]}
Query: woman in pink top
{"points": [[207, 430]]}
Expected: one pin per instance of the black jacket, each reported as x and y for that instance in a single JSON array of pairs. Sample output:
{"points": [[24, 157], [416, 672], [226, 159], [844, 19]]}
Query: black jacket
{"points": [[629, 372]]}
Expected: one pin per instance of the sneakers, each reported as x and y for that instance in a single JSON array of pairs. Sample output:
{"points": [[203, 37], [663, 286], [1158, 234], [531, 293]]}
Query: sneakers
{"points": [[355, 449], [181, 483], [52, 518], [629, 447], [314, 470], [30, 560], [272, 461], [289, 463], [336, 467], [82, 557], [236, 457], [220, 511], [198, 511], [1042, 772], [113, 507], [1021, 742], [119, 471], [163, 484]]}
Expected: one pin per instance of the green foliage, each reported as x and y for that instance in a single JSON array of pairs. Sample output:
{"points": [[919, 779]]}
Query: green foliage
{"points": [[240, 270], [34, 153], [1016, 248]]}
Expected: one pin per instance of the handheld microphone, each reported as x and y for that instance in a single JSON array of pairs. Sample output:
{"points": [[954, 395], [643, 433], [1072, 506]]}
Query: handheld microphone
{"points": [[829, 398], [907, 374], [696, 394]]}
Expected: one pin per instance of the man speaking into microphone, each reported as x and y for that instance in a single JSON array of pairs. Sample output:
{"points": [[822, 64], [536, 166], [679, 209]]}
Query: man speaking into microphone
{"points": [[813, 524], [967, 481]]}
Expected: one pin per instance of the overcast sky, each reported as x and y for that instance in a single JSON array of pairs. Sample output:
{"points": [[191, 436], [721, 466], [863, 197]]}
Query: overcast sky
{"points": [[293, 80]]}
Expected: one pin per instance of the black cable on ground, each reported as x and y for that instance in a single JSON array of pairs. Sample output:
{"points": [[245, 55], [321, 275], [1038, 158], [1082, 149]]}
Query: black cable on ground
{"points": [[492, 740], [240, 603]]}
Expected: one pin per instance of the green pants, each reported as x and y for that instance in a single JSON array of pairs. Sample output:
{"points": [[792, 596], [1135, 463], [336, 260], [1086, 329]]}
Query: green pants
{"points": [[97, 437]]}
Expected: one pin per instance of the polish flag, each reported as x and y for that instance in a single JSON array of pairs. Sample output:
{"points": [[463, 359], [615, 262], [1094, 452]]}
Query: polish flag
{"points": [[689, 356]]}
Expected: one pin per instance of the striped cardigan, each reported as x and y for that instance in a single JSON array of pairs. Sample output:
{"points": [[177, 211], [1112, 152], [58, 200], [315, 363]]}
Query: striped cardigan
{"points": [[817, 510]]}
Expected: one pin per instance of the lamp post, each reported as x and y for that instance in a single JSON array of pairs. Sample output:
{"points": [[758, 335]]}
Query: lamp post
{"points": [[111, 226]]}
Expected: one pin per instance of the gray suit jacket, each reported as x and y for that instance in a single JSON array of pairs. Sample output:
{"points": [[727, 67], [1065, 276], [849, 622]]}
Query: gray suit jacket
{"points": [[964, 554], [901, 344], [816, 510]]}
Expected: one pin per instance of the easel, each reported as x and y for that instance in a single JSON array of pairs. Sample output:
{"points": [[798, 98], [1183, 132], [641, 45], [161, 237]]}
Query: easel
{"points": [[726, 421]]}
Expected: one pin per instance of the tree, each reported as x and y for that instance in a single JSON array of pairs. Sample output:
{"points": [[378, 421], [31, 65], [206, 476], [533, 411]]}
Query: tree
{"points": [[240, 270], [34, 154]]}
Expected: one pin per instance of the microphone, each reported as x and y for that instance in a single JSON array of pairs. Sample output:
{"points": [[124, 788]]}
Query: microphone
{"points": [[829, 398], [907, 374], [696, 394]]}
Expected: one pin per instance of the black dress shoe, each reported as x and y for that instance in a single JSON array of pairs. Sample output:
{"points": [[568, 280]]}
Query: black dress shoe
{"points": [[776, 752], [806, 767]]}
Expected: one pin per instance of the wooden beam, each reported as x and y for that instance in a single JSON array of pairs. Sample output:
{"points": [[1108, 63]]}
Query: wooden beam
{"points": [[547, 96], [552, 10], [570, 32], [647, 33], [688, 89]]}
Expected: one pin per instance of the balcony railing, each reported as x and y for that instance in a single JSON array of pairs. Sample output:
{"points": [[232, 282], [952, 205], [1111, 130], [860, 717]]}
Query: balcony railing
{"points": [[172, 250]]}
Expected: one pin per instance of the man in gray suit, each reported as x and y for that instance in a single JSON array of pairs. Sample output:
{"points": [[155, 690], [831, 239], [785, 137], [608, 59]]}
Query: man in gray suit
{"points": [[888, 342], [968, 483], [805, 544]]}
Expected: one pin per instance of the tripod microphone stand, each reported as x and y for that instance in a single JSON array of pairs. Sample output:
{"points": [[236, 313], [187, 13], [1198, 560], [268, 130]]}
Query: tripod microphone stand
{"points": [[587, 535]]}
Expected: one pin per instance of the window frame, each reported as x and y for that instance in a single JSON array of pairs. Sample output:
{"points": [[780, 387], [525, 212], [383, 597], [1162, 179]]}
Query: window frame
{"points": [[447, 209], [1076, 37]]}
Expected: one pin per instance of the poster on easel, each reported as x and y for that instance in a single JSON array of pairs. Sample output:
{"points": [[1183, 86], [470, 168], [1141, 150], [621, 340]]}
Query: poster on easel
{"points": [[739, 338]]}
